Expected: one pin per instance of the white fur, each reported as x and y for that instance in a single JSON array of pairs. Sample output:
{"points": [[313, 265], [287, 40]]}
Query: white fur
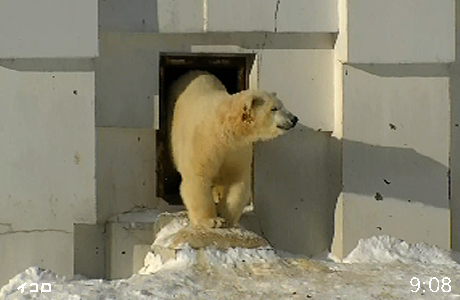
{"points": [[211, 137]]}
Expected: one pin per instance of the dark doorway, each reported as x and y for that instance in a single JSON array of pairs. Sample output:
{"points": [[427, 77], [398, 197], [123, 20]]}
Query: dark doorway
{"points": [[232, 69]]}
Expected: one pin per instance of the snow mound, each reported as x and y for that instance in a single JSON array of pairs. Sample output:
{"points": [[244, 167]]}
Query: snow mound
{"points": [[185, 255], [176, 233], [221, 259], [240, 274], [164, 237], [30, 275], [387, 249]]}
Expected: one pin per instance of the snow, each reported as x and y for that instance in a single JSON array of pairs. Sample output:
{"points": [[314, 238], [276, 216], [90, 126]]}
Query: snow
{"points": [[176, 233], [378, 268], [386, 249], [165, 235]]}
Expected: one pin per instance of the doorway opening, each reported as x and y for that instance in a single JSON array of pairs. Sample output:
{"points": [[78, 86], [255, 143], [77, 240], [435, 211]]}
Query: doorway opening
{"points": [[233, 71]]}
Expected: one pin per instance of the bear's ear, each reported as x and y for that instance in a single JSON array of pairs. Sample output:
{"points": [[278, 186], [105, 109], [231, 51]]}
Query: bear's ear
{"points": [[256, 101]]}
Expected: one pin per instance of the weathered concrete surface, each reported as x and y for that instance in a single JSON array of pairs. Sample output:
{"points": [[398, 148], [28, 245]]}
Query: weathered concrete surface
{"points": [[173, 232]]}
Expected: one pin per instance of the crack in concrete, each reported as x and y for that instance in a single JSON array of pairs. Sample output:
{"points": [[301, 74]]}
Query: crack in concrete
{"points": [[36, 231], [276, 15], [9, 226]]}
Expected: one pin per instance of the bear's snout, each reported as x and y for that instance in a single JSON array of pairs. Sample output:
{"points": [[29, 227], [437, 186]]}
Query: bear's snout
{"points": [[289, 122]]}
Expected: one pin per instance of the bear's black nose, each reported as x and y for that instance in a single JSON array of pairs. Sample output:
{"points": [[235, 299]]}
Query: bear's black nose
{"points": [[294, 120]]}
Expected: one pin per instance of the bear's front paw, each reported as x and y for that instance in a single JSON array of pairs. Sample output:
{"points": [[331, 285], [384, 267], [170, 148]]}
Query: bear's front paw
{"points": [[211, 223]]}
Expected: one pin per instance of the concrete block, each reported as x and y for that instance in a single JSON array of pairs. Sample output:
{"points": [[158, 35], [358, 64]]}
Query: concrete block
{"points": [[48, 146], [296, 184], [241, 15], [454, 71], [51, 249], [396, 153], [394, 31], [180, 16], [122, 239], [48, 28], [127, 81], [165, 16], [126, 170], [89, 253], [139, 253], [341, 42], [250, 221], [307, 16], [406, 107], [413, 221], [455, 155], [303, 80], [272, 16], [128, 16]]}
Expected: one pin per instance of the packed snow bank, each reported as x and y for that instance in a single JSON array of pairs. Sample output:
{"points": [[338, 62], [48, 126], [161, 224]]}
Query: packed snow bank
{"points": [[32, 275], [211, 255], [387, 249], [230, 258], [265, 274], [174, 233]]}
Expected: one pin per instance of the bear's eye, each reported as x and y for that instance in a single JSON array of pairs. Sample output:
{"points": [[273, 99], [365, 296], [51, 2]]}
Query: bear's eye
{"points": [[275, 108]]}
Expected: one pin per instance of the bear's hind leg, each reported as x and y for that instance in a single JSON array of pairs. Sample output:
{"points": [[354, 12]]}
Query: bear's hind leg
{"points": [[198, 199]]}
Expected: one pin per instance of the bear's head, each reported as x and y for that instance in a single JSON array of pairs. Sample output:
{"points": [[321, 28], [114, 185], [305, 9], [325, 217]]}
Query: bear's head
{"points": [[263, 116]]}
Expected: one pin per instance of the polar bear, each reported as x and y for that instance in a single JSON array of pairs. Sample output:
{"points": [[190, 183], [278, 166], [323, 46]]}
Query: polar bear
{"points": [[211, 141]]}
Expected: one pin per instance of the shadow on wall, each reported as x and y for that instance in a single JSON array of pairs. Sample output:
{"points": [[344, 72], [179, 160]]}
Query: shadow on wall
{"points": [[128, 16], [49, 64], [407, 175], [454, 72], [297, 182], [298, 178]]}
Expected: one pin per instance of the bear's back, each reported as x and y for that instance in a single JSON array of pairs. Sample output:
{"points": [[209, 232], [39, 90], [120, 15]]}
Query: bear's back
{"points": [[195, 82], [197, 96]]}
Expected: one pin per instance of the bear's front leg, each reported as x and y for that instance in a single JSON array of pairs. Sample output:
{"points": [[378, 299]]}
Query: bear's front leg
{"points": [[197, 195], [238, 196]]}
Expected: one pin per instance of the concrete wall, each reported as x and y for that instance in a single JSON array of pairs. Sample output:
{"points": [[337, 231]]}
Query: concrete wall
{"points": [[131, 38], [393, 96], [48, 28], [296, 176], [373, 133], [48, 161], [126, 170], [393, 31], [396, 155], [46, 131], [304, 82], [296, 187], [198, 16], [271, 16], [454, 72]]}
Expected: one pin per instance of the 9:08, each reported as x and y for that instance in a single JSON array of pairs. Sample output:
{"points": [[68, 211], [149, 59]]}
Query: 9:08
{"points": [[434, 284]]}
